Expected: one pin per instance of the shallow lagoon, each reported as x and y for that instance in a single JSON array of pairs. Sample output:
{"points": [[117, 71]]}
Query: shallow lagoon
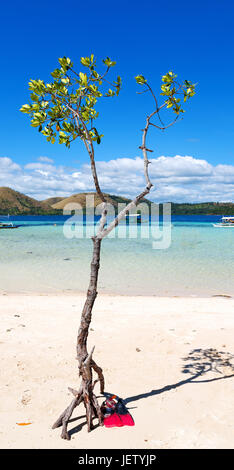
{"points": [[37, 257]]}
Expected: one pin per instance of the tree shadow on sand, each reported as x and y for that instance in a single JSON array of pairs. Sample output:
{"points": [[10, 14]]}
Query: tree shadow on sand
{"points": [[200, 362]]}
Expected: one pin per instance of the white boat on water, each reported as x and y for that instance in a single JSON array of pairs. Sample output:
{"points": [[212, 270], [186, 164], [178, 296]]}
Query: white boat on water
{"points": [[136, 216], [5, 225], [225, 222], [133, 215]]}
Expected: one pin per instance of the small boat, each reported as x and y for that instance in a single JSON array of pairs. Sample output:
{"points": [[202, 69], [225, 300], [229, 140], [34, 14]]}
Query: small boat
{"points": [[4, 225], [225, 222], [133, 215]]}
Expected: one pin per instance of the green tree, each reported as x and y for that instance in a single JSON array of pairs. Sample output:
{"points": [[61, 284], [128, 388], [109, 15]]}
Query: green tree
{"points": [[65, 109]]}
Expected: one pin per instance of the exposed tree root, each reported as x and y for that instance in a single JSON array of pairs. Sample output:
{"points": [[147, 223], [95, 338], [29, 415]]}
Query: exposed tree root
{"points": [[85, 395]]}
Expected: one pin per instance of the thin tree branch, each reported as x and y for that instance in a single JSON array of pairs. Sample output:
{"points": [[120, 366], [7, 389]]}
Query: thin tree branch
{"points": [[122, 214], [165, 127], [156, 102], [89, 147]]}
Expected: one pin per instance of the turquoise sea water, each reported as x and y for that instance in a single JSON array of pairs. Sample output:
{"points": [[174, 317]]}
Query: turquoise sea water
{"points": [[38, 258]]}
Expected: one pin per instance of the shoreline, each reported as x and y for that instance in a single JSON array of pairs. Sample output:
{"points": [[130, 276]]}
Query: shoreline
{"points": [[150, 349], [71, 293]]}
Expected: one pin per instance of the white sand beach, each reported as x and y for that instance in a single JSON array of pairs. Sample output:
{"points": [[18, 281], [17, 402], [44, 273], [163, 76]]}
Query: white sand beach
{"points": [[143, 345]]}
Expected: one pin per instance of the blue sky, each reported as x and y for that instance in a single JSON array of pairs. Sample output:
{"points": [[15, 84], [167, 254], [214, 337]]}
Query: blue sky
{"points": [[194, 40]]}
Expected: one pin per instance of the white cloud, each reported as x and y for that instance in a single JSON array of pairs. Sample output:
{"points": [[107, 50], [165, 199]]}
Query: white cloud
{"points": [[178, 178], [7, 165], [40, 166], [180, 166], [45, 159]]}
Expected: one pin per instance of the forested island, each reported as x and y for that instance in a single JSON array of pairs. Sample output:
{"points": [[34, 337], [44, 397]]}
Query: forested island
{"points": [[15, 203]]}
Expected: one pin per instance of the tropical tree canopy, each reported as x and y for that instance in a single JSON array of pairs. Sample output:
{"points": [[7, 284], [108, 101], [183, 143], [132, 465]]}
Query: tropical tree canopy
{"points": [[66, 107]]}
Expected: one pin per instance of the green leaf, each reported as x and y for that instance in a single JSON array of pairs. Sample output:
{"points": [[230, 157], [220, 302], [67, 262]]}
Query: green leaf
{"points": [[35, 123], [35, 106], [62, 134], [169, 104], [68, 126], [110, 93], [108, 62], [169, 77], [65, 62], [166, 89], [118, 84], [25, 108], [83, 78], [95, 74], [56, 73], [85, 61], [140, 79], [44, 104], [34, 97]]}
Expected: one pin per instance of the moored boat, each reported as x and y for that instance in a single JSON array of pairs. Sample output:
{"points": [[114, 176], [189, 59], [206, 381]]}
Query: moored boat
{"points": [[5, 225], [225, 222]]}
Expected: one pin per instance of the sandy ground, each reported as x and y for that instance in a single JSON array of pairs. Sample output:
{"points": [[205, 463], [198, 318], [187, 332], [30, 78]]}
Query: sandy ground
{"points": [[178, 397]]}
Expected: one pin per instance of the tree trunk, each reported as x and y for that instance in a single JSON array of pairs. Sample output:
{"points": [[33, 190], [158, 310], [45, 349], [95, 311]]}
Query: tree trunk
{"points": [[90, 299], [85, 360]]}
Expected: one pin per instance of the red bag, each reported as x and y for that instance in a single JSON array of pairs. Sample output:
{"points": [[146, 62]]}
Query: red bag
{"points": [[115, 413]]}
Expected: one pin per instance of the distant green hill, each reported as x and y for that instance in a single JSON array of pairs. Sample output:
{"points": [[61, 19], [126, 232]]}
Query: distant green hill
{"points": [[15, 203], [51, 200], [80, 199], [205, 208]]}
